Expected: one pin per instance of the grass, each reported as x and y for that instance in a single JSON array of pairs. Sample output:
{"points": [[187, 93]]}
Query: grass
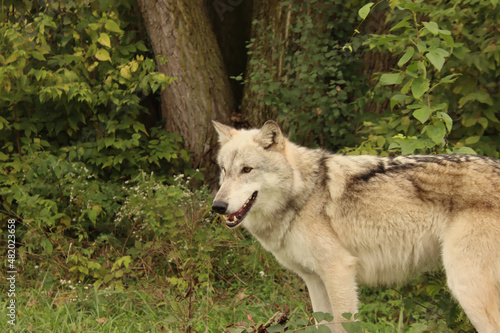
{"points": [[52, 305], [89, 311], [48, 304]]}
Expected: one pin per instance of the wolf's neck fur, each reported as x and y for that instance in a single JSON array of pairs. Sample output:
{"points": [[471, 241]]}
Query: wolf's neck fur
{"points": [[309, 171]]}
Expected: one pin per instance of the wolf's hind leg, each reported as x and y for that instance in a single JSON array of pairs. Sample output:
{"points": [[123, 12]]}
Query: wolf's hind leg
{"points": [[471, 257]]}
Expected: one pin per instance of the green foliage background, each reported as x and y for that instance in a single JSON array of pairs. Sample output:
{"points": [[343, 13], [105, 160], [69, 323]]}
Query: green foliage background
{"points": [[94, 190], [442, 85], [72, 79]]}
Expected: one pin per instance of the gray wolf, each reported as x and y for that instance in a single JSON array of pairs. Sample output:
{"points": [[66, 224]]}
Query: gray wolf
{"points": [[342, 220]]}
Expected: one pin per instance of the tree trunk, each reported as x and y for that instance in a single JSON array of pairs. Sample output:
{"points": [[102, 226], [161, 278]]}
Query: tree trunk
{"points": [[271, 21], [376, 62], [180, 31], [232, 22]]}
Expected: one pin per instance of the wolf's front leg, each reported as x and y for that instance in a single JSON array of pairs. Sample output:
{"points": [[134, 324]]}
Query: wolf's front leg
{"points": [[317, 293], [340, 284]]}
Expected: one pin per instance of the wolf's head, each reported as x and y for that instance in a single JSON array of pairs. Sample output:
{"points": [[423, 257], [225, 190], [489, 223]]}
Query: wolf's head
{"points": [[255, 178]]}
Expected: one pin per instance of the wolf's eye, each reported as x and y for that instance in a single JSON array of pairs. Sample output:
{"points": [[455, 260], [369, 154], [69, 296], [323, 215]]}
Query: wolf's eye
{"points": [[246, 170]]}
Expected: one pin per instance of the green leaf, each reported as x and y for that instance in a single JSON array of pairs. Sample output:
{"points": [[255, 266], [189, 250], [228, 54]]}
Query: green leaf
{"points": [[432, 27], [406, 87], [125, 72], [423, 114], [353, 327], [347, 315], [419, 87], [381, 141], [483, 97], [92, 214], [389, 79], [447, 120], [469, 121], [324, 329], [437, 57], [365, 10], [490, 114], [102, 55], [464, 150], [421, 46], [94, 26], [407, 56], [38, 55], [471, 140], [480, 96], [113, 26], [104, 39], [108, 141], [141, 47], [320, 316], [449, 78], [402, 24], [107, 278], [398, 99], [275, 328], [483, 122], [407, 145], [440, 106], [447, 38], [83, 270], [47, 246], [70, 76], [436, 132], [126, 260]]}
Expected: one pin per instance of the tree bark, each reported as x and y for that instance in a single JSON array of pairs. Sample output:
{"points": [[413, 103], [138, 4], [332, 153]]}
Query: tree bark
{"points": [[180, 31], [232, 21], [376, 62], [271, 21]]}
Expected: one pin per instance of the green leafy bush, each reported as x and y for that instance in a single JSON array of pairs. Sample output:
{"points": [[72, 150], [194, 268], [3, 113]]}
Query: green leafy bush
{"points": [[73, 76], [441, 95], [445, 95], [317, 79], [72, 80]]}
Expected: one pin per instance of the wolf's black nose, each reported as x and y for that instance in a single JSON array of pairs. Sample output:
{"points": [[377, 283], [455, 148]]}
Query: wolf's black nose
{"points": [[219, 207]]}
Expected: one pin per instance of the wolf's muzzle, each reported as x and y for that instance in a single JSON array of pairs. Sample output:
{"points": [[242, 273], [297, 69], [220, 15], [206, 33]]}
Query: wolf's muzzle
{"points": [[219, 207]]}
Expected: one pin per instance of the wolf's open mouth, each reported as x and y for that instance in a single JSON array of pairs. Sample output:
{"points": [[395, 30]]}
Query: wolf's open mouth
{"points": [[234, 219]]}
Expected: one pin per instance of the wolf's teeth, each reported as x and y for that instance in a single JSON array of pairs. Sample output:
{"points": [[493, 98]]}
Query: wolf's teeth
{"points": [[233, 220]]}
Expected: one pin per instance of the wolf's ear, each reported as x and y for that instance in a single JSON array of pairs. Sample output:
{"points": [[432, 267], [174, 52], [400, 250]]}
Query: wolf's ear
{"points": [[225, 132], [270, 136]]}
